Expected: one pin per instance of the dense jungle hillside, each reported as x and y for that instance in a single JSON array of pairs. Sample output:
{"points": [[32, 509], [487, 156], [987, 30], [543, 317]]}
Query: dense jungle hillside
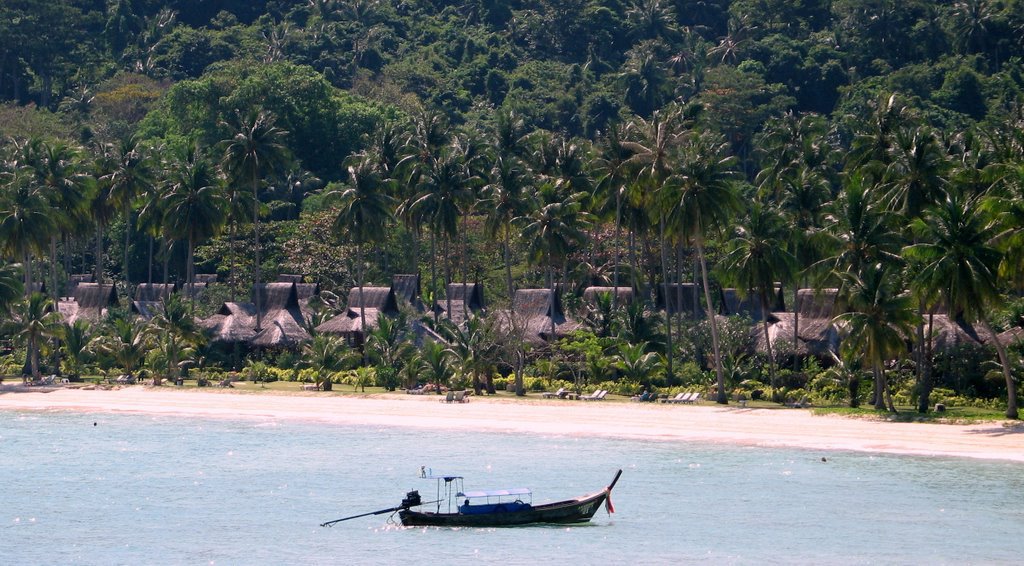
{"points": [[868, 150]]}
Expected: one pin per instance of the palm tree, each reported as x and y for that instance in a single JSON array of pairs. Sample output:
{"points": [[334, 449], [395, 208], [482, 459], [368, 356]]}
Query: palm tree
{"points": [[66, 187], [706, 202], [129, 176], [757, 258], [178, 327], [613, 173], [11, 288], [326, 354], [506, 199], [636, 364], [364, 210], [552, 231], [653, 145], [444, 196], [958, 262], [194, 207], [74, 340], [435, 360], [879, 318], [35, 322], [125, 345], [255, 151], [26, 222]]}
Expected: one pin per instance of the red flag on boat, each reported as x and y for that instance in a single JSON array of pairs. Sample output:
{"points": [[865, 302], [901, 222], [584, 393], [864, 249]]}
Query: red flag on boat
{"points": [[608, 504]]}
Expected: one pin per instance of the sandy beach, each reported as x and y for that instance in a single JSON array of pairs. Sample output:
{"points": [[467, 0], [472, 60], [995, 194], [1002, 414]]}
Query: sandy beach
{"points": [[698, 423]]}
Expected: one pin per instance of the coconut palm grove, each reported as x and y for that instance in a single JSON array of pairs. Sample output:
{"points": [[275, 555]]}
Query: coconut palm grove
{"points": [[775, 200]]}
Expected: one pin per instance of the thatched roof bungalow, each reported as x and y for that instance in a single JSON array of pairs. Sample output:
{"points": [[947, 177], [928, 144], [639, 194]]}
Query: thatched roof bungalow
{"points": [[465, 299], [947, 332], [373, 302], [407, 288], [75, 279], [732, 304], [532, 314], [89, 300], [685, 298], [816, 336], [282, 323], [624, 295]]}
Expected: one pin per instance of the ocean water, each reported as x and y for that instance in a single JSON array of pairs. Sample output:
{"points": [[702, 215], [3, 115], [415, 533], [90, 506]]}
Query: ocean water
{"points": [[116, 489]]}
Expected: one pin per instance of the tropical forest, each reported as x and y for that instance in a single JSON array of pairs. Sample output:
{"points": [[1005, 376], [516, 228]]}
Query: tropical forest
{"points": [[776, 201]]}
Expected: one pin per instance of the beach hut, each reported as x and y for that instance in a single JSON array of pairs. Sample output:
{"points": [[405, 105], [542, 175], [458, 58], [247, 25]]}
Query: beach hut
{"points": [[373, 302], [407, 289], [685, 298], [305, 291], [812, 321], [282, 322], [149, 297], [75, 279], [532, 314], [89, 300], [466, 299], [732, 304], [624, 295]]}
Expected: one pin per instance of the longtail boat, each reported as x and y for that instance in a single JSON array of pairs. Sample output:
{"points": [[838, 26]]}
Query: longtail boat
{"points": [[456, 507]]}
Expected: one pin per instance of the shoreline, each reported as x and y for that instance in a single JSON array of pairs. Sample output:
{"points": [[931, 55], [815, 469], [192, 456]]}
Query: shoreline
{"points": [[769, 428]]}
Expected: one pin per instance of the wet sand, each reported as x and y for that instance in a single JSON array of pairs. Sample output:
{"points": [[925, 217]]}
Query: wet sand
{"points": [[679, 423]]}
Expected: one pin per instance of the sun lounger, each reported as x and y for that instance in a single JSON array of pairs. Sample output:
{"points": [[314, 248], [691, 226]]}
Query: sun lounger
{"points": [[803, 402], [460, 397], [449, 398], [674, 399], [693, 399], [596, 396], [560, 394]]}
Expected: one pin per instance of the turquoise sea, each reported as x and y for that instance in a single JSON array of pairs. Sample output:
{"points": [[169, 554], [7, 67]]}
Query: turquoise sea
{"points": [[113, 489]]}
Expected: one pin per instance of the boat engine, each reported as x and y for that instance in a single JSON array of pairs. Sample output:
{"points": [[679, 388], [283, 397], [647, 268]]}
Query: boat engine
{"points": [[412, 499]]}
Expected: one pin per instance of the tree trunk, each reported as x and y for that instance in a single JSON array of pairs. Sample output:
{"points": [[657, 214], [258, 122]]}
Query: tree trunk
{"points": [[1011, 390], [879, 374], [149, 274], [617, 246], [190, 275], [722, 398], [99, 254], [447, 277], [767, 339], [925, 386], [433, 273], [127, 241], [53, 269], [256, 240], [362, 299], [796, 330], [508, 268], [668, 311], [551, 298], [231, 251]]}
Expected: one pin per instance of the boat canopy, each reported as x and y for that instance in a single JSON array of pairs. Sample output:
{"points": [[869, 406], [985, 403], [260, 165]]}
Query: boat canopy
{"points": [[496, 492]]}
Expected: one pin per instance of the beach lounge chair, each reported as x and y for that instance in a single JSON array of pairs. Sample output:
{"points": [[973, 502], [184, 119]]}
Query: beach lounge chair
{"points": [[803, 402], [449, 398], [560, 394], [592, 396], [693, 399], [674, 399], [460, 397]]}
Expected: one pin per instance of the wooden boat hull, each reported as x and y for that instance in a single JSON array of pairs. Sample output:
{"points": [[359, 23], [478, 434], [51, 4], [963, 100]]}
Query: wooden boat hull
{"points": [[570, 511]]}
